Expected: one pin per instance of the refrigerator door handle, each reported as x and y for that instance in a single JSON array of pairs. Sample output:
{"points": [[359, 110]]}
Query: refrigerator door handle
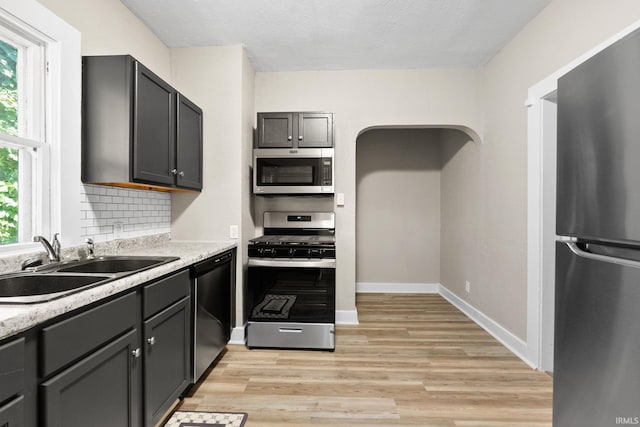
{"points": [[597, 257]]}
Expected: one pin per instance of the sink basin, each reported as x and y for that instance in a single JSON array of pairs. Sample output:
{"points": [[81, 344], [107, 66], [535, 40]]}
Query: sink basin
{"points": [[114, 264], [26, 288], [51, 281]]}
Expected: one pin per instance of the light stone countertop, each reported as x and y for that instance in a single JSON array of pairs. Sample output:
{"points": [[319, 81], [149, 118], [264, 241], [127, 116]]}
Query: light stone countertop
{"points": [[17, 318]]}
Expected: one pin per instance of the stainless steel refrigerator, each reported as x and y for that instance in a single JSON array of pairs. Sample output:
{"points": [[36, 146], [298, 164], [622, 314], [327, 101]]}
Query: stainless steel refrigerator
{"points": [[597, 313]]}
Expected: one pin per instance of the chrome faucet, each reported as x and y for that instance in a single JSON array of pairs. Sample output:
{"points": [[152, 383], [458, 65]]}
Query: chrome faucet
{"points": [[90, 247], [53, 251]]}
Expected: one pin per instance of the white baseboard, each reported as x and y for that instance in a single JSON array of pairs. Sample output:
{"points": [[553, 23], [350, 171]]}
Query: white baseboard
{"points": [[506, 338], [237, 335], [398, 288], [347, 317]]}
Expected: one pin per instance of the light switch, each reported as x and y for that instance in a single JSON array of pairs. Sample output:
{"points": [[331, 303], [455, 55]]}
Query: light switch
{"points": [[233, 231], [340, 199]]}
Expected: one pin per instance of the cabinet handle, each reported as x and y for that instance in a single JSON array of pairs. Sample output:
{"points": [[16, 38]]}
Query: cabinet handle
{"points": [[151, 340], [174, 171], [136, 353], [289, 138], [299, 137], [181, 174]]}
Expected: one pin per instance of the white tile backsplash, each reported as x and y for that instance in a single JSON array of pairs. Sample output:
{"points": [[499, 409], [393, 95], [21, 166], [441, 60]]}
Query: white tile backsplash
{"points": [[109, 213]]}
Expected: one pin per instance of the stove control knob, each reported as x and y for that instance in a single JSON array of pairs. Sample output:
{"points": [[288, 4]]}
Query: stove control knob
{"points": [[292, 252]]}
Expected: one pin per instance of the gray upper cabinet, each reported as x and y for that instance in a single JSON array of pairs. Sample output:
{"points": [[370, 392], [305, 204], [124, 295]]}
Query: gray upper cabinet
{"points": [[295, 130], [137, 130], [154, 128], [189, 144]]}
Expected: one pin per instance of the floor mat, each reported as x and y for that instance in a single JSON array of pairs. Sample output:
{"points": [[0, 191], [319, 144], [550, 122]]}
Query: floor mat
{"points": [[206, 419]]}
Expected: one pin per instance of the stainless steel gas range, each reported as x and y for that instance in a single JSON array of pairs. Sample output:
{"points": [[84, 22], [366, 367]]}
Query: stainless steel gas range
{"points": [[291, 289]]}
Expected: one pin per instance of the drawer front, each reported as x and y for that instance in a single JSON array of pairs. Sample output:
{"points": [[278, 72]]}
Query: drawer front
{"points": [[11, 369], [12, 414], [66, 341], [320, 336], [161, 294]]}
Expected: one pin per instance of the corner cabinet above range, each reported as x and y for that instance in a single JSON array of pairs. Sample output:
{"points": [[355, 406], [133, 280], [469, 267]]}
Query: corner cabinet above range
{"points": [[138, 131]]}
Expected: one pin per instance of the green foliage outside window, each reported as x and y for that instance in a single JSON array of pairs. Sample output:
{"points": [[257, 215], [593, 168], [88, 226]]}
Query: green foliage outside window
{"points": [[8, 156]]}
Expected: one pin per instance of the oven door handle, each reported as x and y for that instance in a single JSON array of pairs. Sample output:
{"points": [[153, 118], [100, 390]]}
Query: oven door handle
{"points": [[292, 263]]}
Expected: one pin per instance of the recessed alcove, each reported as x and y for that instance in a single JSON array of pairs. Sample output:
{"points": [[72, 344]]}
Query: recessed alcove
{"points": [[414, 190]]}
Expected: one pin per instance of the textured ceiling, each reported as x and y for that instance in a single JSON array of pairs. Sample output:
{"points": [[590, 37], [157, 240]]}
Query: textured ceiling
{"points": [[288, 35]]}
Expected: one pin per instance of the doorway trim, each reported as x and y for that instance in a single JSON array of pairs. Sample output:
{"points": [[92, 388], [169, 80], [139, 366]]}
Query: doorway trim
{"points": [[541, 161]]}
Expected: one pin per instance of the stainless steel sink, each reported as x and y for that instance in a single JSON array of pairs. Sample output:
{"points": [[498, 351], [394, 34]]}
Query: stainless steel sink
{"points": [[113, 264], [27, 288], [55, 280]]}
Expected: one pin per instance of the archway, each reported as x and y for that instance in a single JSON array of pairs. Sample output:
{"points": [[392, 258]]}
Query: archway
{"points": [[410, 184]]}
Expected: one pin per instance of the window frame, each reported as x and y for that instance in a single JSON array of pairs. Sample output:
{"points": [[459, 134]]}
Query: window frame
{"points": [[59, 202], [33, 203]]}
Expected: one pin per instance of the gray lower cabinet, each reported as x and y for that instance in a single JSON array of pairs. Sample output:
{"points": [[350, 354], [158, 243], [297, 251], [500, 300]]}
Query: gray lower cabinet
{"points": [[12, 413], [123, 362], [167, 359], [12, 379], [99, 390]]}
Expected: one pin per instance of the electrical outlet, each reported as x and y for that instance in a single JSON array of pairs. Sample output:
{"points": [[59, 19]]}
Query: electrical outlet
{"points": [[233, 231], [117, 230], [467, 286]]}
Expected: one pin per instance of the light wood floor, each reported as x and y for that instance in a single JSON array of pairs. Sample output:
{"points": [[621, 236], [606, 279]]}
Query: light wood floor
{"points": [[414, 360]]}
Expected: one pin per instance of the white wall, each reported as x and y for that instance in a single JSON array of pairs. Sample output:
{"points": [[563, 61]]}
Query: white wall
{"points": [[562, 31], [212, 78], [220, 81], [461, 224], [109, 28], [363, 99], [398, 206]]}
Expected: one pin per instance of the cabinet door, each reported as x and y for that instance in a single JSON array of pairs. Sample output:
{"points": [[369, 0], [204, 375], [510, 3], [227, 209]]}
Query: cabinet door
{"points": [[102, 390], [167, 369], [275, 130], [12, 371], [189, 144], [12, 413], [153, 128], [315, 130]]}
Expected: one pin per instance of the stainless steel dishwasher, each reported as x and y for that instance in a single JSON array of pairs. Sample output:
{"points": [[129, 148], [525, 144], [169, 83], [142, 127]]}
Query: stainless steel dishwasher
{"points": [[213, 299]]}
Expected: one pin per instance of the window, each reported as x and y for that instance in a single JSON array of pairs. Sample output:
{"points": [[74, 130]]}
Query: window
{"points": [[23, 148]]}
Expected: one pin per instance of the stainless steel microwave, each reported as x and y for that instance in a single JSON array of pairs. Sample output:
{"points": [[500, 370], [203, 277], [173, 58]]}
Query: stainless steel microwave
{"points": [[293, 171]]}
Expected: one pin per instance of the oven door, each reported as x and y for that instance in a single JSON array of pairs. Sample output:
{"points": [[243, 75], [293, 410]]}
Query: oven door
{"points": [[308, 171], [291, 303], [292, 290]]}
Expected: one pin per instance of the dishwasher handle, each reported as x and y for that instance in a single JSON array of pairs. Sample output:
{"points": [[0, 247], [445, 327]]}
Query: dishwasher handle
{"points": [[206, 266]]}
